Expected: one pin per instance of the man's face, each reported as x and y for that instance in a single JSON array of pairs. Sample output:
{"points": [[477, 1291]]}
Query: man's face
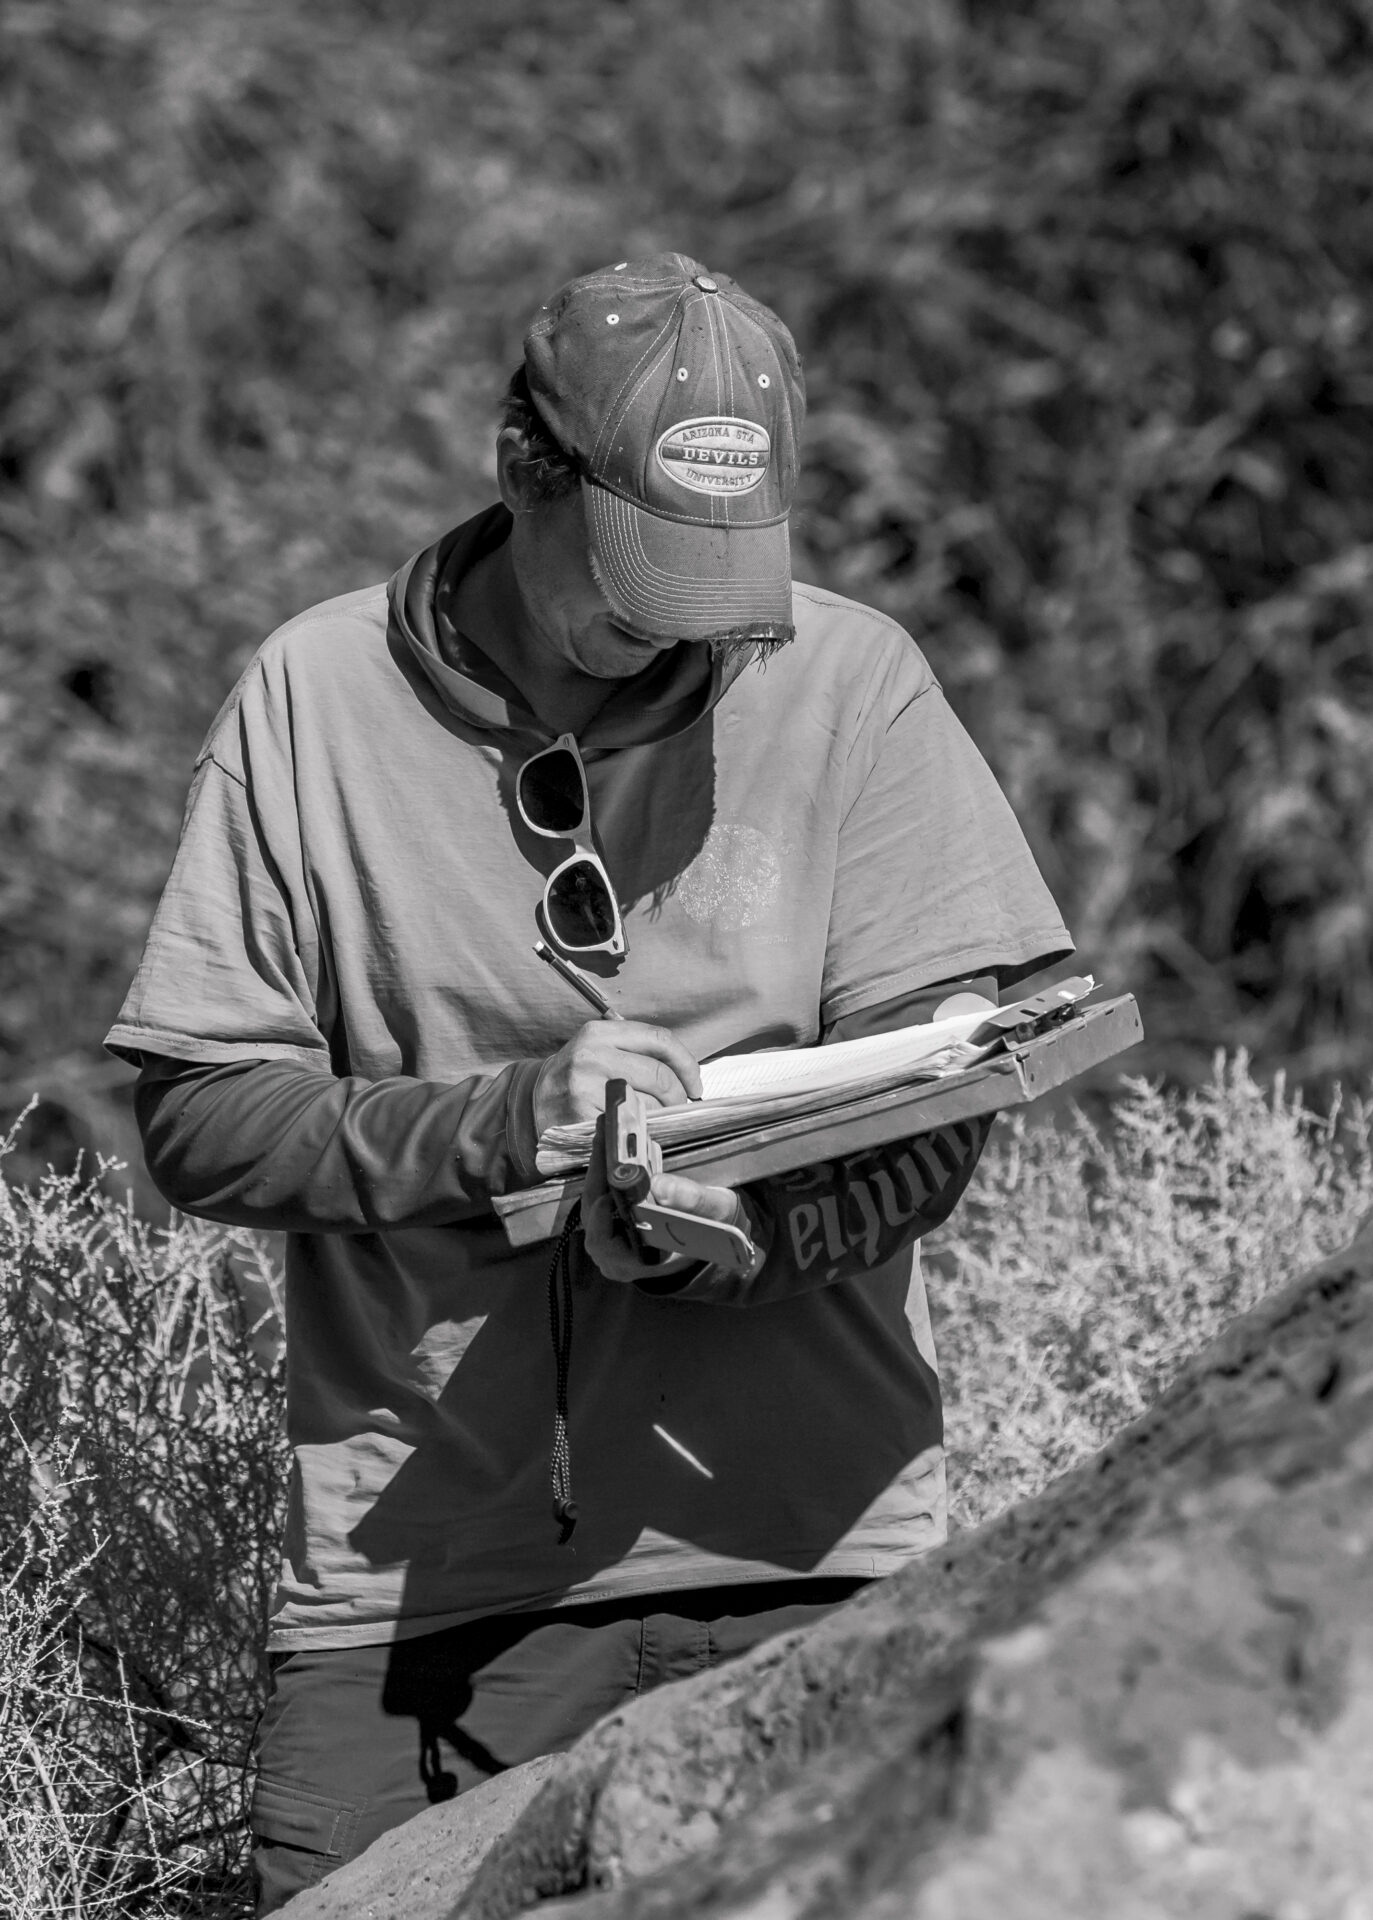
{"points": [[569, 612]]}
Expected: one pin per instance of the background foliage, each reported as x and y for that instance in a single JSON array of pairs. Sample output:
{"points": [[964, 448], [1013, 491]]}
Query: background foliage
{"points": [[1083, 297]]}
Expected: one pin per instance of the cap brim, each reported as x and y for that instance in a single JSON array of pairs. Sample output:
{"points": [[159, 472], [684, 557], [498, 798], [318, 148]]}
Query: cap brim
{"points": [[688, 580]]}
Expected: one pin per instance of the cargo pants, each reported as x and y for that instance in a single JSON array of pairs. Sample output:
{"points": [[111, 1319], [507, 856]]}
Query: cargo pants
{"points": [[356, 1740]]}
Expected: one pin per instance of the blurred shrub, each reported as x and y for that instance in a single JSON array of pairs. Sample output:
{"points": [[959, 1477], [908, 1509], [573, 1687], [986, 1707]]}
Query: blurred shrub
{"points": [[1083, 293], [1084, 1266], [141, 1476]]}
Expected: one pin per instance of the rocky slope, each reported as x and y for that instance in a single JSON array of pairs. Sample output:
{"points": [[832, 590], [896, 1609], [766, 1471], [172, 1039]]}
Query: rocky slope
{"points": [[1147, 1692]]}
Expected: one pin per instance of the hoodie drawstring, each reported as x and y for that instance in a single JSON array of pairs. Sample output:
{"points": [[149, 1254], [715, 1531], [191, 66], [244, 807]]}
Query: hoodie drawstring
{"points": [[560, 1326]]}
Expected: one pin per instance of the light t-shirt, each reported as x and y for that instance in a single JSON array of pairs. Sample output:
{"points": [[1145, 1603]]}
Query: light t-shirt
{"points": [[355, 891]]}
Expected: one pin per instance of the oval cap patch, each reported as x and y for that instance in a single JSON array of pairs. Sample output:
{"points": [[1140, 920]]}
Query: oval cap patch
{"points": [[715, 456]]}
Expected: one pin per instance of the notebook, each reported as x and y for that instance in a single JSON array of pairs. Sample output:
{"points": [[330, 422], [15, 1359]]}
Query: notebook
{"points": [[742, 1092]]}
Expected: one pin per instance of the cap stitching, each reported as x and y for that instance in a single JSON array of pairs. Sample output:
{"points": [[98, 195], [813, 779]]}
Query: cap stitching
{"points": [[641, 372], [724, 604], [667, 351], [674, 607], [601, 279], [719, 384], [729, 358], [761, 585], [726, 500], [659, 512], [618, 282], [615, 409], [652, 587]]}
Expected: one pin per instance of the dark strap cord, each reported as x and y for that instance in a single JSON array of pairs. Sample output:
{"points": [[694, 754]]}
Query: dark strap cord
{"points": [[560, 1326]]}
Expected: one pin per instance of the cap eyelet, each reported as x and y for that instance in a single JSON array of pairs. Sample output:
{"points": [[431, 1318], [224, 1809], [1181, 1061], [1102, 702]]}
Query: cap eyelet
{"points": [[612, 319], [763, 380], [681, 373]]}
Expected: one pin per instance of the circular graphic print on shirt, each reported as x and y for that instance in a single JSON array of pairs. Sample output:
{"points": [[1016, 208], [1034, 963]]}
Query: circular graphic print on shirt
{"points": [[734, 880]]}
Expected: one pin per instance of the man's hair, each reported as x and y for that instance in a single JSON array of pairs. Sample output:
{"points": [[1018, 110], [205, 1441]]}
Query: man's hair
{"points": [[549, 470]]}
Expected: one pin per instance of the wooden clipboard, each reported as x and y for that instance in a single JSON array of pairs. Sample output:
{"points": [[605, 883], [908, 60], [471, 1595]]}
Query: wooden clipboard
{"points": [[1009, 1079]]}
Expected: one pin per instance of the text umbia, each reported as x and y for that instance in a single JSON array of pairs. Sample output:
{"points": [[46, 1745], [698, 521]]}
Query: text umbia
{"points": [[864, 1210]]}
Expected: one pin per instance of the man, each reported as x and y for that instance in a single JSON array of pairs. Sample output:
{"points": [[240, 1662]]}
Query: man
{"points": [[557, 720]]}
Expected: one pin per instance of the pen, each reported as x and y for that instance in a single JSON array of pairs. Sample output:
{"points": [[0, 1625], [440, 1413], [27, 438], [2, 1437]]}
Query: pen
{"points": [[575, 978]]}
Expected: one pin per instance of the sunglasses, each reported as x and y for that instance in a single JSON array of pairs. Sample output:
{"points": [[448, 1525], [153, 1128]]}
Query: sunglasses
{"points": [[579, 905]]}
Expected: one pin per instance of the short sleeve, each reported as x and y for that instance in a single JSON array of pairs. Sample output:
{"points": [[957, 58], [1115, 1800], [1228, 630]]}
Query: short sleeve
{"points": [[934, 879], [229, 969]]}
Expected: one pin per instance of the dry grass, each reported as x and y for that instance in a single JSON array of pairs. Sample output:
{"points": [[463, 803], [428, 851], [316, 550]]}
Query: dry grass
{"points": [[1088, 1261], [83, 1830], [140, 1478]]}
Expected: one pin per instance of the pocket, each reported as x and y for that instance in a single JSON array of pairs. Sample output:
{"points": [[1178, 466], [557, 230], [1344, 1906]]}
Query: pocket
{"points": [[300, 1836]]}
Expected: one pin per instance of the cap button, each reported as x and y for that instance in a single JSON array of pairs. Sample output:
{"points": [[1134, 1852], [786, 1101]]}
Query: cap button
{"points": [[706, 284]]}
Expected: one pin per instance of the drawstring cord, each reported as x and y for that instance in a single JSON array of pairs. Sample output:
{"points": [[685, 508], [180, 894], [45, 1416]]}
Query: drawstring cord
{"points": [[560, 1326]]}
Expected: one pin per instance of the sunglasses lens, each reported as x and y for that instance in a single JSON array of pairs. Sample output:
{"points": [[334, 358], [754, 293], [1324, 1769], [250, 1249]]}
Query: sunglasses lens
{"points": [[580, 910], [551, 791]]}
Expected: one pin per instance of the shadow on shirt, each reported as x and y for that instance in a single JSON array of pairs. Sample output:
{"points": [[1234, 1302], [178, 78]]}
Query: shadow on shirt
{"points": [[761, 1435]]}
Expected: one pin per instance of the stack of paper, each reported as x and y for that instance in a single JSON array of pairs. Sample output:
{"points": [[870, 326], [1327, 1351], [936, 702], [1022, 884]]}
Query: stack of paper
{"points": [[750, 1090]]}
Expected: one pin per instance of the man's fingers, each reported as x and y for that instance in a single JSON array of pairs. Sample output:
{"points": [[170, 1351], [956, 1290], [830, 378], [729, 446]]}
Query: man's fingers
{"points": [[587, 1079], [652, 1077], [616, 1257], [653, 1061], [687, 1196], [657, 1043]]}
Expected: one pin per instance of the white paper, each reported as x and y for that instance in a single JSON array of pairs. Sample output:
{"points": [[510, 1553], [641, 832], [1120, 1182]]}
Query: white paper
{"points": [[820, 1069], [749, 1090]]}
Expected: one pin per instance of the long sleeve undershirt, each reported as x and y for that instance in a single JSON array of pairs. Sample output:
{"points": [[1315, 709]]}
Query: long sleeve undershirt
{"points": [[273, 1145]]}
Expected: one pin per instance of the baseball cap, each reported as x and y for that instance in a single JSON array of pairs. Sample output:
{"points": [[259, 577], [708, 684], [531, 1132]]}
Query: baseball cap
{"points": [[682, 401]]}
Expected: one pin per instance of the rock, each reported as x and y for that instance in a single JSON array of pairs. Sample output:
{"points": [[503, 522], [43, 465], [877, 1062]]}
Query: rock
{"points": [[1147, 1692], [416, 1871]]}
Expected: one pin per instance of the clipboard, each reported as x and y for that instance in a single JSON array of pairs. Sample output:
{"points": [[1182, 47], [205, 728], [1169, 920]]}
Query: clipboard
{"points": [[1022, 1073]]}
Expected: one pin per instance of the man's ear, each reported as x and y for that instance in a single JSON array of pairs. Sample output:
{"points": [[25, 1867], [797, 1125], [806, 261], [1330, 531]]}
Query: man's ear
{"points": [[512, 467]]}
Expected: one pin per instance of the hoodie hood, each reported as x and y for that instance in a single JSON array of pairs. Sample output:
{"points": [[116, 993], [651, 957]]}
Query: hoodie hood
{"points": [[669, 696]]}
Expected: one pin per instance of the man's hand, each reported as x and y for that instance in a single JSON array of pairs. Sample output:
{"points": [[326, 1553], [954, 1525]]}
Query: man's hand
{"points": [[571, 1085], [611, 1245]]}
